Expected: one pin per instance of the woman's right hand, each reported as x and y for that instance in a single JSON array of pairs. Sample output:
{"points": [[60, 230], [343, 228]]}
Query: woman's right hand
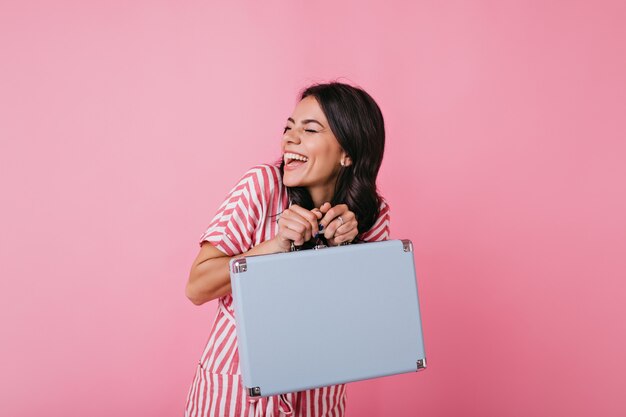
{"points": [[298, 225]]}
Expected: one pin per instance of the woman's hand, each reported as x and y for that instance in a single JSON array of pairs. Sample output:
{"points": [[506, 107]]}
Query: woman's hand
{"points": [[340, 224], [298, 225]]}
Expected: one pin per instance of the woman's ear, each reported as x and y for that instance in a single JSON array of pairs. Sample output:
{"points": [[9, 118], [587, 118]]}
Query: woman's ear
{"points": [[345, 160]]}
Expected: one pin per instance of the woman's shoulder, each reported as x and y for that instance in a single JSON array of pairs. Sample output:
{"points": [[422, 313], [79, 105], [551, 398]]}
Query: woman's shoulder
{"points": [[263, 179], [383, 206], [266, 169], [265, 174]]}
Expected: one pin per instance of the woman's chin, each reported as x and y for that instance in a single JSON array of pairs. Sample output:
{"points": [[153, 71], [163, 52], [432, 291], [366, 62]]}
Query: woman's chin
{"points": [[290, 182]]}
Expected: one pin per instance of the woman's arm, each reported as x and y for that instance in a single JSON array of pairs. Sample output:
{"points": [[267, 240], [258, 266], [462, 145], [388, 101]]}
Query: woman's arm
{"points": [[210, 276]]}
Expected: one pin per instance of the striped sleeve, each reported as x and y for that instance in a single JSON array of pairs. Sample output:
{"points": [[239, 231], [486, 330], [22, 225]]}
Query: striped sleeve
{"points": [[380, 230], [232, 228]]}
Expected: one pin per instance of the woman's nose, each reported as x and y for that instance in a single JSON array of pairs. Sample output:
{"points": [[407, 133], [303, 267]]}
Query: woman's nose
{"points": [[291, 136]]}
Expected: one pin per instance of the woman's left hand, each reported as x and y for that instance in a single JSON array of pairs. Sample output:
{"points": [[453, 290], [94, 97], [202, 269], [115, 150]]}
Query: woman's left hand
{"points": [[340, 224]]}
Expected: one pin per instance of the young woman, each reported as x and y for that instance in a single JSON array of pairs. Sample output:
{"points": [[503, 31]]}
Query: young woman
{"points": [[324, 186]]}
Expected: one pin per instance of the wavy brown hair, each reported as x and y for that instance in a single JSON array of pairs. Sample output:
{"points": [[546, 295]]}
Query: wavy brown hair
{"points": [[357, 122]]}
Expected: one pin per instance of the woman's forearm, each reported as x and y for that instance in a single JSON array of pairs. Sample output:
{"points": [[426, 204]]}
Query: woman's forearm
{"points": [[211, 279]]}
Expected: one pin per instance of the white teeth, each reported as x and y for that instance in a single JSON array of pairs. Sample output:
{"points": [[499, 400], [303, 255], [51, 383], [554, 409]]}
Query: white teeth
{"points": [[290, 156]]}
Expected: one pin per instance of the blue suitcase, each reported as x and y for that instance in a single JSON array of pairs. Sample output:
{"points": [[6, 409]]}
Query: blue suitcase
{"points": [[329, 316]]}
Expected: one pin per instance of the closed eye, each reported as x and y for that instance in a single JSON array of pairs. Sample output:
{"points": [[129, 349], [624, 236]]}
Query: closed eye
{"points": [[306, 130]]}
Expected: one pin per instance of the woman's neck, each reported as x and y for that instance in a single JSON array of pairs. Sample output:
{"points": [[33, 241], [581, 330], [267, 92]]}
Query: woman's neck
{"points": [[321, 195]]}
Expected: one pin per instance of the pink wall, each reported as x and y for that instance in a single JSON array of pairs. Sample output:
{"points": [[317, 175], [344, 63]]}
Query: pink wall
{"points": [[123, 124]]}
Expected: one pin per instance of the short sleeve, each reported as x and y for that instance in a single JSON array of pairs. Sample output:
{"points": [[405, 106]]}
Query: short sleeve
{"points": [[233, 226], [380, 230]]}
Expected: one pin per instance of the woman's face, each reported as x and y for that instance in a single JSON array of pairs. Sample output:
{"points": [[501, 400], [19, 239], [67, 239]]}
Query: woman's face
{"points": [[311, 151]]}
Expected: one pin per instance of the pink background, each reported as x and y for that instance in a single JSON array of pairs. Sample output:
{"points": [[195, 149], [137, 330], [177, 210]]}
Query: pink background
{"points": [[124, 124]]}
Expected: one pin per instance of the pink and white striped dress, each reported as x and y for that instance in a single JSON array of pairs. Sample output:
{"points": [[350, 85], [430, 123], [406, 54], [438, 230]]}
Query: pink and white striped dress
{"points": [[245, 219]]}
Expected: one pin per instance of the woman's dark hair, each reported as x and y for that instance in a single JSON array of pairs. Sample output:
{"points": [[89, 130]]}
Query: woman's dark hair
{"points": [[357, 122]]}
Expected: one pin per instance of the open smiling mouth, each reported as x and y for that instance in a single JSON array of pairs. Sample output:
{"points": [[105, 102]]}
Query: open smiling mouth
{"points": [[294, 160]]}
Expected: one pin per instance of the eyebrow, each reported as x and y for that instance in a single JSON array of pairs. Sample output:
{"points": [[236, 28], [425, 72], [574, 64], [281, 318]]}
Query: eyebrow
{"points": [[305, 121]]}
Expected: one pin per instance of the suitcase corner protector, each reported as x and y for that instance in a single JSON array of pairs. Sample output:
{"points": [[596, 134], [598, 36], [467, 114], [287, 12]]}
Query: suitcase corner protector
{"points": [[239, 265], [407, 245], [421, 364], [254, 392]]}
